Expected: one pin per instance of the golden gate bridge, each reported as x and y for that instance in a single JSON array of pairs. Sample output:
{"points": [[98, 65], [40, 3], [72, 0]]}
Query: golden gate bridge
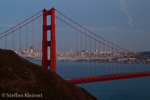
{"points": [[53, 35]]}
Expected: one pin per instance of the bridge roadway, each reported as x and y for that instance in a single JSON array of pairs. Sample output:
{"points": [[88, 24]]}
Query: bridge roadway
{"points": [[107, 77]]}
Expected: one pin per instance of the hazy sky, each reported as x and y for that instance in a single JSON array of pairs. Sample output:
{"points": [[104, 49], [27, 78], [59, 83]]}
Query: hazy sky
{"points": [[123, 22]]}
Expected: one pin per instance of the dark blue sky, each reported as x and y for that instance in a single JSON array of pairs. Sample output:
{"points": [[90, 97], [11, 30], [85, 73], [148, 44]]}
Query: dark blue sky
{"points": [[123, 22]]}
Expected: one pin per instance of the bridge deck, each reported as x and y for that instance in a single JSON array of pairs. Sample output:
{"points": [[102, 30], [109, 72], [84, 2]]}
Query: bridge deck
{"points": [[107, 77]]}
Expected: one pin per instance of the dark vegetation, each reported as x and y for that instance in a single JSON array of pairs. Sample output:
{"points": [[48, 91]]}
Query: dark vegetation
{"points": [[18, 75], [145, 54]]}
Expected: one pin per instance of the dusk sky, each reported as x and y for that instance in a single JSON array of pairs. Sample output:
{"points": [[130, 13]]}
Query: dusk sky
{"points": [[123, 22]]}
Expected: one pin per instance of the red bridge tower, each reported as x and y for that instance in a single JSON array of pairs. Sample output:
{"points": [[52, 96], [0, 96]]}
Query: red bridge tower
{"points": [[52, 43]]}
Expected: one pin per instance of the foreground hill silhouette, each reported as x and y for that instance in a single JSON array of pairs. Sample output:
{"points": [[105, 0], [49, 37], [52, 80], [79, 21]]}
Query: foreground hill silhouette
{"points": [[18, 75]]}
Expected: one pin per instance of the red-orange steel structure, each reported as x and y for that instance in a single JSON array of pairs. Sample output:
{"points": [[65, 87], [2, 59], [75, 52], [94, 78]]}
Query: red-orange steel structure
{"points": [[107, 77], [71, 35], [52, 43]]}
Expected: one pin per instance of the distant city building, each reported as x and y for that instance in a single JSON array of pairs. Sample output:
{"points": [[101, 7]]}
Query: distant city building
{"points": [[31, 50], [31, 47], [104, 52], [108, 52], [95, 50]]}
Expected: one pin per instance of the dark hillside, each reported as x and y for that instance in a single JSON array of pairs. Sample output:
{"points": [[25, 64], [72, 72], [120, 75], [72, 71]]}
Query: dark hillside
{"points": [[145, 54], [18, 75]]}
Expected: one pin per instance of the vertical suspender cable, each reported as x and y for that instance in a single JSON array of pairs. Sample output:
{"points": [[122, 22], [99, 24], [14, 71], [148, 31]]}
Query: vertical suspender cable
{"points": [[64, 48], [13, 41], [99, 57], [86, 58], [20, 38], [32, 31], [120, 60], [5, 41], [27, 36], [95, 56], [61, 67], [38, 40], [108, 58], [90, 55], [112, 59], [116, 59], [104, 57]]}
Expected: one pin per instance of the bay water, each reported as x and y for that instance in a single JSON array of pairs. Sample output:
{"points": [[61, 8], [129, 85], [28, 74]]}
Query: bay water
{"points": [[126, 89]]}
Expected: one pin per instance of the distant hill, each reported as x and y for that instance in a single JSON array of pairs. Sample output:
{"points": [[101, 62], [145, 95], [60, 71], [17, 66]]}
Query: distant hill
{"points": [[145, 54], [17, 75]]}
